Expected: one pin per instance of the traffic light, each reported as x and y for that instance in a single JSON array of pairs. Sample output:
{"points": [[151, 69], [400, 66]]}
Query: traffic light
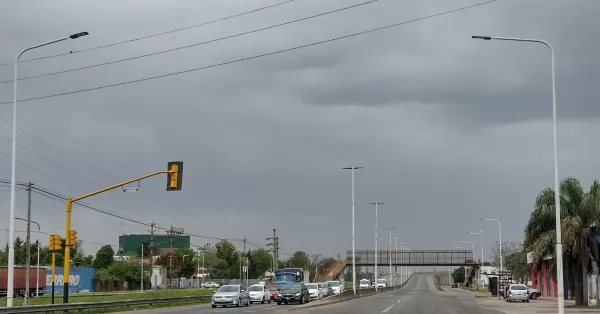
{"points": [[51, 243], [57, 242], [175, 176], [72, 237]]}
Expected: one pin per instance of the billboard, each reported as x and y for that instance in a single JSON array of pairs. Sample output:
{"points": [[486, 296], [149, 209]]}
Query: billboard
{"points": [[81, 280]]}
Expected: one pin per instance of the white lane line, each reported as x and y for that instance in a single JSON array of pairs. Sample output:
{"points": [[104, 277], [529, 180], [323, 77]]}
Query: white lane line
{"points": [[389, 308]]}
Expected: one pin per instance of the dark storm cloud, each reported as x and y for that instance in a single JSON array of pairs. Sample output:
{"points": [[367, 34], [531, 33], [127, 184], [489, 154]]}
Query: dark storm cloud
{"points": [[448, 128]]}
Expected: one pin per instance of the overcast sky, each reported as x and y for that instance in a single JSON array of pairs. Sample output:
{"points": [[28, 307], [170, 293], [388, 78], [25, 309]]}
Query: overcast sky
{"points": [[448, 129]]}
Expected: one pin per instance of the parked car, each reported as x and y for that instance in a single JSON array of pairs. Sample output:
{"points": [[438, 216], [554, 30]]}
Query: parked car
{"points": [[259, 293], [294, 292], [336, 286], [517, 292], [314, 292], [230, 295], [327, 291], [454, 285], [364, 284], [274, 292], [534, 293], [210, 284]]}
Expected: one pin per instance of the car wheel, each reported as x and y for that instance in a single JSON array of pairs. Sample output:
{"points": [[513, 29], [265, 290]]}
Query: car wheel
{"points": [[534, 296], [239, 301], [278, 303], [214, 306], [251, 302], [263, 300], [527, 301], [302, 300]]}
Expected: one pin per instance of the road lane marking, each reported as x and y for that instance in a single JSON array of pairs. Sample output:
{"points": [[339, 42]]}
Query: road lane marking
{"points": [[389, 308]]}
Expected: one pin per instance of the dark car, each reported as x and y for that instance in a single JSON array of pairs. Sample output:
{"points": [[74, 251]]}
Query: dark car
{"points": [[293, 292]]}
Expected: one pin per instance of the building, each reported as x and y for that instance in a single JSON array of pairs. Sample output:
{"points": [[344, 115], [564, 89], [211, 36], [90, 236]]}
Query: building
{"points": [[130, 244], [542, 279]]}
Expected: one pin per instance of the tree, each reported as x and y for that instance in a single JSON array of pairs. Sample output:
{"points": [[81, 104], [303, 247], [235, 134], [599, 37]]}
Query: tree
{"points": [[299, 259], [227, 252], [220, 270], [328, 262], [210, 258], [104, 257], [458, 275], [260, 261], [514, 258], [580, 212]]}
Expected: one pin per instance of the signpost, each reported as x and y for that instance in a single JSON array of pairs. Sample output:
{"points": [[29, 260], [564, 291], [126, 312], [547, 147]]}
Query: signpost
{"points": [[504, 279]]}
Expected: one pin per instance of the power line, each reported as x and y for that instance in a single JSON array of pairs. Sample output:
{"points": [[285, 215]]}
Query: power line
{"points": [[193, 45], [252, 57], [153, 35]]}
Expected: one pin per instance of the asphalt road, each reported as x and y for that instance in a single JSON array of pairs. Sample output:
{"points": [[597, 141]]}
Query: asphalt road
{"points": [[420, 296]]}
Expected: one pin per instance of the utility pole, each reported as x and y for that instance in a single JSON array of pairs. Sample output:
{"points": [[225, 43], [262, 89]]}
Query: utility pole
{"points": [[169, 273], [28, 248], [151, 244], [245, 263], [142, 268], [274, 250]]}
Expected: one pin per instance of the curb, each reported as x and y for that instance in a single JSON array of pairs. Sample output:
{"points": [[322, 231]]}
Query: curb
{"points": [[350, 297]]}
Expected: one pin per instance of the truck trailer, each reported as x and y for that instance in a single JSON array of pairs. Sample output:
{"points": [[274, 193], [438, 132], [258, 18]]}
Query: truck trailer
{"points": [[19, 281]]}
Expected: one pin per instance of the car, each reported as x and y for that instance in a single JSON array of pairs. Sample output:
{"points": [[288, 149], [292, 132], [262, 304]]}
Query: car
{"points": [[517, 292], [381, 283], [336, 287], [275, 291], [230, 295], [314, 291], [327, 291], [364, 284], [259, 293], [210, 284], [454, 285], [534, 293], [293, 292]]}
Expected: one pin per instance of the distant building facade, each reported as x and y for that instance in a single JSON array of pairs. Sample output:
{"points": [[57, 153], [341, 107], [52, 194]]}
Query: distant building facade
{"points": [[131, 244]]}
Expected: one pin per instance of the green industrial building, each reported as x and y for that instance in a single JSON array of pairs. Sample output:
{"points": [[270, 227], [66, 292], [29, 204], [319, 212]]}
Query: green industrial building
{"points": [[129, 244]]}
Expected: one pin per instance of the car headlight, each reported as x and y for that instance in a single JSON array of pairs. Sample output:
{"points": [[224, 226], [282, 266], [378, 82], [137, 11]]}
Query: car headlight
{"points": [[298, 294]]}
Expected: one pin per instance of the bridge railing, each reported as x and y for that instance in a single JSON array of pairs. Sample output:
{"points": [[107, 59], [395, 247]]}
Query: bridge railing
{"points": [[413, 257]]}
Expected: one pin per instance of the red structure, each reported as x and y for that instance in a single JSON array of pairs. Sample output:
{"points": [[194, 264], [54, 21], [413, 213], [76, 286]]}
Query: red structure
{"points": [[542, 279]]}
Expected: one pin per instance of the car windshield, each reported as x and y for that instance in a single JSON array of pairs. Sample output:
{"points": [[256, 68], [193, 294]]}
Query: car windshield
{"points": [[276, 288], [312, 286], [322, 285], [364, 281], [381, 280], [291, 287], [229, 289], [334, 284], [518, 288], [285, 277], [256, 288]]}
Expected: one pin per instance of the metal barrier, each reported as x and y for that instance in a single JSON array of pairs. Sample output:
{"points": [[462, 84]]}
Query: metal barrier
{"points": [[95, 305]]}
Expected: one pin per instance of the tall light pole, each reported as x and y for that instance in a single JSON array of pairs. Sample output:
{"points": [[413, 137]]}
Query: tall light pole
{"points": [[500, 236], [13, 183], [37, 276], [390, 255], [376, 252], [396, 258], [480, 233], [353, 234], [559, 258], [402, 275]]}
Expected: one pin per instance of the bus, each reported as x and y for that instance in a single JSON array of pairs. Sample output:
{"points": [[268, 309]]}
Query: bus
{"points": [[288, 275]]}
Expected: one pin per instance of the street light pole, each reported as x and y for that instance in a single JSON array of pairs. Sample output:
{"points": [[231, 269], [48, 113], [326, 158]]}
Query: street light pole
{"points": [[13, 175], [353, 234], [480, 233], [390, 255], [376, 252], [559, 257], [396, 258], [500, 237], [37, 279], [402, 272]]}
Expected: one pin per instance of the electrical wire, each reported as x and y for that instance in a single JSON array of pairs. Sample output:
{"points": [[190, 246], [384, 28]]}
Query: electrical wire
{"points": [[193, 45], [153, 35], [251, 57]]}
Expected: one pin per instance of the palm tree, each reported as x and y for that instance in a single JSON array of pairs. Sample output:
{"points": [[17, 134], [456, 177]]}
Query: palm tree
{"points": [[580, 214]]}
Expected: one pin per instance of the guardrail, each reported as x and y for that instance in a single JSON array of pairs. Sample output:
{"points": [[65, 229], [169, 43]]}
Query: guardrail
{"points": [[95, 305]]}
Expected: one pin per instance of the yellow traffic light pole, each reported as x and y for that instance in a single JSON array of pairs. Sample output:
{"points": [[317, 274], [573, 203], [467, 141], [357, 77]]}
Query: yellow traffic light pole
{"points": [[55, 245], [175, 171]]}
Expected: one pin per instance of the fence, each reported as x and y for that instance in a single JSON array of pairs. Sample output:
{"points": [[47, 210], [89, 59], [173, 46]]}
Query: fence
{"points": [[183, 283]]}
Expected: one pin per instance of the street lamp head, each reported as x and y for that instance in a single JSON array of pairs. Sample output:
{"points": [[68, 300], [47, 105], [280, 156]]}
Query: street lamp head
{"points": [[75, 36], [482, 37], [350, 168]]}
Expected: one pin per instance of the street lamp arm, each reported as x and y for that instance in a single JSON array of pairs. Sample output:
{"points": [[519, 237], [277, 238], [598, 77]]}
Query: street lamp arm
{"points": [[531, 40]]}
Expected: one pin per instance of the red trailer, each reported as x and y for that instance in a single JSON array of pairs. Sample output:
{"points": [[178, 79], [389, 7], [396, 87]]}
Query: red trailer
{"points": [[19, 281]]}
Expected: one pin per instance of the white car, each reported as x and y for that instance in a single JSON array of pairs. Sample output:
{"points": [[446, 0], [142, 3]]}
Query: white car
{"points": [[259, 293], [210, 284], [365, 284], [381, 283], [314, 292], [336, 286]]}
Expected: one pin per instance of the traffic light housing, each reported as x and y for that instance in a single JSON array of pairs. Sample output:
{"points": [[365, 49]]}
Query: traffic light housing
{"points": [[72, 237], [51, 243], [57, 242], [175, 176]]}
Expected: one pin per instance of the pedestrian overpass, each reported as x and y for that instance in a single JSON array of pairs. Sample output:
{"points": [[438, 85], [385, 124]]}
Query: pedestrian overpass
{"points": [[413, 258]]}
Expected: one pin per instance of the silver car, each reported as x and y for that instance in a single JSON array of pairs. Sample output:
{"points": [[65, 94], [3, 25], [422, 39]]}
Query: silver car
{"points": [[517, 292], [230, 295]]}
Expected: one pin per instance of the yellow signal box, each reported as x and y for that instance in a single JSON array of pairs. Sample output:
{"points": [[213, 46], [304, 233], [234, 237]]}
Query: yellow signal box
{"points": [[57, 242], [51, 243], [175, 176], [72, 237]]}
